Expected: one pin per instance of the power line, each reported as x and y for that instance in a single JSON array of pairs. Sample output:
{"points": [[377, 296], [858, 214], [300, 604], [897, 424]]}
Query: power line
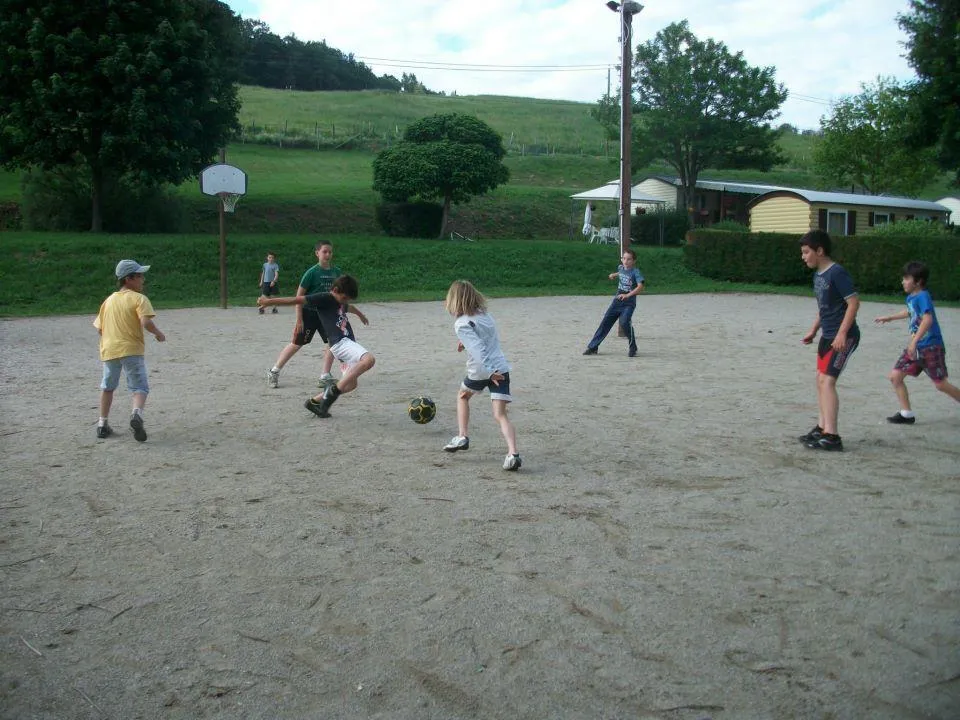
{"points": [[489, 67], [484, 66]]}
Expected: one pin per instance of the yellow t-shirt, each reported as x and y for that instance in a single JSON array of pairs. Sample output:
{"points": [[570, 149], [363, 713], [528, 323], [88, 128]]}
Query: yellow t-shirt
{"points": [[118, 321]]}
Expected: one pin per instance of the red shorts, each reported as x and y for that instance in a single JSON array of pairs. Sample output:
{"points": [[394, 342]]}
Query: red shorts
{"points": [[932, 360]]}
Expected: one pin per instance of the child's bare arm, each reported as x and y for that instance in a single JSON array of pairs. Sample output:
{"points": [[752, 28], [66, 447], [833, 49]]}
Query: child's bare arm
{"points": [[148, 324], [264, 301], [902, 315], [356, 311]]}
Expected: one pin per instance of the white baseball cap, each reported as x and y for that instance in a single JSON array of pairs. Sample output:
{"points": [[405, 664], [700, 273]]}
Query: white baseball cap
{"points": [[129, 267]]}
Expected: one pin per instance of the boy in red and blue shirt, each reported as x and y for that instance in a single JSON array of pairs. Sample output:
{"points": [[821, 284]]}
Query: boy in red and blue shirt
{"points": [[925, 351]]}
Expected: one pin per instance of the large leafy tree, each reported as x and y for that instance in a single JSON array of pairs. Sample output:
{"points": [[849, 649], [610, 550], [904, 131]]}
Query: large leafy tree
{"points": [[699, 106], [864, 144], [442, 157], [142, 89], [933, 50]]}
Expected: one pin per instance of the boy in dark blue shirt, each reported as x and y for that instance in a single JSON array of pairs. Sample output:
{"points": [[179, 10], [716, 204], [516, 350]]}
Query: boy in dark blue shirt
{"points": [[629, 283], [926, 351], [837, 305]]}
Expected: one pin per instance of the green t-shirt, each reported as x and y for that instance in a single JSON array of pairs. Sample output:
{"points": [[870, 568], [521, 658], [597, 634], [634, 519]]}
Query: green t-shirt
{"points": [[319, 279]]}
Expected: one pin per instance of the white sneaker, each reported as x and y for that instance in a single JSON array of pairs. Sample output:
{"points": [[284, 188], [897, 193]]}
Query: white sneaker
{"points": [[458, 442], [512, 462], [273, 378]]}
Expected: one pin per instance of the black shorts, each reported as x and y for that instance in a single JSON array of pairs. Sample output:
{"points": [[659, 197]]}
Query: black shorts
{"points": [[268, 289], [311, 325], [829, 361]]}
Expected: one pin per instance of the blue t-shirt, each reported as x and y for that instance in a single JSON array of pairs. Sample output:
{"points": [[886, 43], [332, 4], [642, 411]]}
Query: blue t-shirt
{"points": [[270, 272], [628, 279], [918, 304], [832, 287]]}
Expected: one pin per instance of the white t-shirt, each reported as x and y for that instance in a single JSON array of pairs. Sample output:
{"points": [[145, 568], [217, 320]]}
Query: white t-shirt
{"points": [[478, 333]]}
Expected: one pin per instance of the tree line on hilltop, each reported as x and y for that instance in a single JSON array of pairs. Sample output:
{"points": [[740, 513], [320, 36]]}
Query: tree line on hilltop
{"points": [[271, 61]]}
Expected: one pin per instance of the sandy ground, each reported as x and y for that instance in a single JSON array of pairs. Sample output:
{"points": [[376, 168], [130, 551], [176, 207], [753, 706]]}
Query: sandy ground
{"points": [[669, 550]]}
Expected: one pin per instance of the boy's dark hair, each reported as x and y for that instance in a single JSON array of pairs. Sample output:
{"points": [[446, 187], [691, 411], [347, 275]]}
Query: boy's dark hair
{"points": [[122, 282], [347, 284], [321, 243], [918, 271], [631, 252], [816, 239], [271, 253]]}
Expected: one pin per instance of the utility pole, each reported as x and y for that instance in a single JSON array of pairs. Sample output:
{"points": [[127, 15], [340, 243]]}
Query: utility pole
{"points": [[626, 11]]}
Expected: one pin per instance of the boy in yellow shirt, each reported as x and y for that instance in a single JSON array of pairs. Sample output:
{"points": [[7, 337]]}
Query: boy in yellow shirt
{"points": [[120, 322]]}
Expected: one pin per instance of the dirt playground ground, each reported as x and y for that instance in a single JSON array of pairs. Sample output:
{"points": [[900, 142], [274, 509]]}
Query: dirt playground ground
{"points": [[669, 550]]}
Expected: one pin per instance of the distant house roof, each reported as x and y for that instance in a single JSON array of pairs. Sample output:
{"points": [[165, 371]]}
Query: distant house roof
{"points": [[611, 191], [732, 186], [836, 198]]}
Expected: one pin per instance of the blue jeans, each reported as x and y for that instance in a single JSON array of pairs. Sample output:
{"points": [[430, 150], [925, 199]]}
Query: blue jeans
{"points": [[621, 310]]}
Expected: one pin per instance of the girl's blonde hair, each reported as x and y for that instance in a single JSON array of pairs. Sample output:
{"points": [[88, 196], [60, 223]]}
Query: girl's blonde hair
{"points": [[464, 299]]}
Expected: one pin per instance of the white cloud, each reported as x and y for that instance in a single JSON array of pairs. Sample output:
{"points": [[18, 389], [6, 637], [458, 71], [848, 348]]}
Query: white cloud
{"points": [[821, 50]]}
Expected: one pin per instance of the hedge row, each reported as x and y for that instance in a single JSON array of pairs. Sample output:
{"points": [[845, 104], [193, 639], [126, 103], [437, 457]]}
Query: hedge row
{"points": [[874, 262]]}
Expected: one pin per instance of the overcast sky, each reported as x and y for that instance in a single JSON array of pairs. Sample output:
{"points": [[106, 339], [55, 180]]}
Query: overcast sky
{"points": [[821, 49]]}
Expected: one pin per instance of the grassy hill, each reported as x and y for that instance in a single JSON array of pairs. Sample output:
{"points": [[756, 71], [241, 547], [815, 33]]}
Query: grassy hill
{"points": [[555, 149]]}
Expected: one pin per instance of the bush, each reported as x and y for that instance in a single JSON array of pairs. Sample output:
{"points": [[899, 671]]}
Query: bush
{"points": [[874, 261], [730, 226], [913, 228], [645, 229], [410, 219], [59, 200], [10, 218]]}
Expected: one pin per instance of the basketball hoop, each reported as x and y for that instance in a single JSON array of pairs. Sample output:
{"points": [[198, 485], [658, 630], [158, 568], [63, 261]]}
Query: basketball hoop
{"points": [[229, 200], [227, 182]]}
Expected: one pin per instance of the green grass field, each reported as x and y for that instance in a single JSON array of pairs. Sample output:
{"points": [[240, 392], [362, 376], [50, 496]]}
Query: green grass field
{"points": [[66, 273]]}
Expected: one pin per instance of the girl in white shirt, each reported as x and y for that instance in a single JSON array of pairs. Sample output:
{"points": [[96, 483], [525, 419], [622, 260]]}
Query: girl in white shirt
{"points": [[487, 368]]}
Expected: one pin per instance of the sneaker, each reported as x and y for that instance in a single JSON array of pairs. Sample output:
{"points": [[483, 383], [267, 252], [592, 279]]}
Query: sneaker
{"points": [[458, 442], [825, 442], [274, 311], [632, 353], [326, 380], [899, 419], [590, 351], [104, 431], [317, 408], [812, 436], [261, 311], [273, 378], [512, 462], [136, 425]]}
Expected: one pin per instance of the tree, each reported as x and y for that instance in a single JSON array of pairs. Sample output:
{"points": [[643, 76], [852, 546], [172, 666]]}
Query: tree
{"points": [[933, 50], [142, 89], [448, 157], [863, 144], [697, 107]]}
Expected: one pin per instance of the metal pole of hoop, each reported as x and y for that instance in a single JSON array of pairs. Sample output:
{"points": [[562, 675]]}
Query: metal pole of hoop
{"points": [[223, 242]]}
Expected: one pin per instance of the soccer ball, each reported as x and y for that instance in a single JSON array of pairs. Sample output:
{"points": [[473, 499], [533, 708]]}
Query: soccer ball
{"points": [[422, 410]]}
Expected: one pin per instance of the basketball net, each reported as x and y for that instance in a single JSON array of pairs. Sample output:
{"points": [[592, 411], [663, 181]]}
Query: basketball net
{"points": [[229, 201]]}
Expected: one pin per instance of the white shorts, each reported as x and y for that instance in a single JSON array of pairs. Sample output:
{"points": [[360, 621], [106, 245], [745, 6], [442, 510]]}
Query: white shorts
{"points": [[348, 351]]}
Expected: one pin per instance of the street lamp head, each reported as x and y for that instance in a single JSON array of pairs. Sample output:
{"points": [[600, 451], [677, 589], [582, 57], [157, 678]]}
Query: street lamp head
{"points": [[628, 8]]}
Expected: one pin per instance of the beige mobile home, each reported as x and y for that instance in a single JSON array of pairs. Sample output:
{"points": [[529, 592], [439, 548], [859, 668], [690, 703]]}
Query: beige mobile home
{"points": [[797, 211], [714, 200]]}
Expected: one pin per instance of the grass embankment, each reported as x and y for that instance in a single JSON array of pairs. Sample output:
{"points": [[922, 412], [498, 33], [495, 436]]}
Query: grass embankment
{"points": [[59, 273]]}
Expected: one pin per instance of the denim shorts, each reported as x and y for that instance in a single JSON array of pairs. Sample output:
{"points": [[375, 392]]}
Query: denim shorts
{"points": [[133, 366]]}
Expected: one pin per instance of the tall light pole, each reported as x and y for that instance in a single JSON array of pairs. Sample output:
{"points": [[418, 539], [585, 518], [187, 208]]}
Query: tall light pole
{"points": [[626, 10]]}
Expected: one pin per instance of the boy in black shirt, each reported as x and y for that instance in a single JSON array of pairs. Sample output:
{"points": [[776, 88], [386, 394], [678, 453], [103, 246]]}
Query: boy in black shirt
{"points": [[332, 308]]}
